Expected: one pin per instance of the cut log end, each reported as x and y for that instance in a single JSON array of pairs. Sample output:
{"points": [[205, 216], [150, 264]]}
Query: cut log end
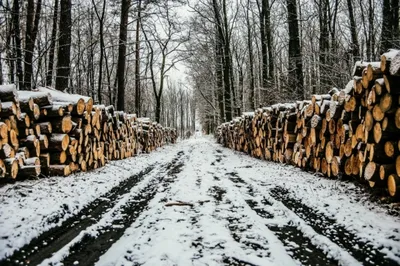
{"points": [[393, 185]]}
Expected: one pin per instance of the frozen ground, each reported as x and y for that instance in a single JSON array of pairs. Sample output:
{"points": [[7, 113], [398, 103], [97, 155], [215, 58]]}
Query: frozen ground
{"points": [[244, 212]]}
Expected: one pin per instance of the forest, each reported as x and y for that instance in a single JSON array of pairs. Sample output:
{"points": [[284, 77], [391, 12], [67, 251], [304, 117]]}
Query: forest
{"points": [[179, 61]]}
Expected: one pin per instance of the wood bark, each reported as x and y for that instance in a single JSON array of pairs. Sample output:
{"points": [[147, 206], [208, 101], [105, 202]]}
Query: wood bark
{"points": [[32, 27], [17, 40], [53, 39], [64, 46], [295, 70], [123, 29]]}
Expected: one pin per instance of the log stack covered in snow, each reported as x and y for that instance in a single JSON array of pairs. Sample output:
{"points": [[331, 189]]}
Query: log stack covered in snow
{"points": [[49, 132], [353, 132]]}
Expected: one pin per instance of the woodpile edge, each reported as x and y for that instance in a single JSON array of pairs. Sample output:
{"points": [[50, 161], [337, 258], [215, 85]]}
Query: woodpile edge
{"points": [[353, 132], [51, 133]]}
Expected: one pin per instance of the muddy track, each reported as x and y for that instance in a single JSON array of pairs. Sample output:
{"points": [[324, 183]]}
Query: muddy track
{"points": [[299, 246], [232, 261], [361, 250], [48, 242], [239, 230], [89, 249]]}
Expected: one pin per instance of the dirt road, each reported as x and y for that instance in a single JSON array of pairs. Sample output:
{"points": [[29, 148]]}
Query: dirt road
{"points": [[244, 212]]}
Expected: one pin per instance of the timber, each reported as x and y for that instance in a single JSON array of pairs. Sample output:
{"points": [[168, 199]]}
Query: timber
{"points": [[352, 132], [45, 132]]}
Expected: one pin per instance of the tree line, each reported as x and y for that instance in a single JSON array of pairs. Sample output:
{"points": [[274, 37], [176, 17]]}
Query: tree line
{"points": [[119, 52], [251, 53], [238, 55]]}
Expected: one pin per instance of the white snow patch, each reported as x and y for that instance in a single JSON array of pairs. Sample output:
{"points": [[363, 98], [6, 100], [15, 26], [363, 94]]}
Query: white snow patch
{"points": [[30, 208]]}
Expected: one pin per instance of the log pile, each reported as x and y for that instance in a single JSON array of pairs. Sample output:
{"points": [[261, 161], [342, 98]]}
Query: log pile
{"points": [[50, 133], [353, 132]]}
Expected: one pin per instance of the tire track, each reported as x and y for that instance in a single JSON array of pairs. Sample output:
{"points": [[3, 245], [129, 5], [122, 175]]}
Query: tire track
{"points": [[363, 251], [239, 230], [300, 246], [47, 243], [90, 248], [296, 243], [50, 241]]}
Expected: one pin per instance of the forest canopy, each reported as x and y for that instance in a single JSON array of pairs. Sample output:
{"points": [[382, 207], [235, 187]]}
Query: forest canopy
{"points": [[179, 61]]}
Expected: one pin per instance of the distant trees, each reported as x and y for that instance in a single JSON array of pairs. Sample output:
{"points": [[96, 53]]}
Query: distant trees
{"points": [[238, 55], [390, 36], [98, 48], [281, 50]]}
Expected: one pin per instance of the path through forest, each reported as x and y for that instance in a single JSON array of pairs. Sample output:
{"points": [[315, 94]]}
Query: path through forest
{"points": [[244, 212]]}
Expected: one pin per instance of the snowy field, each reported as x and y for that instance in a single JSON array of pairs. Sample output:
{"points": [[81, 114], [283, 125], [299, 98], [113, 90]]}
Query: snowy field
{"points": [[243, 211]]}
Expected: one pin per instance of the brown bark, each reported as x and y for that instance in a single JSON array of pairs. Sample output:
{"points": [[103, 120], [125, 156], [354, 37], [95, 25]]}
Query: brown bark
{"points": [[64, 46], [123, 29]]}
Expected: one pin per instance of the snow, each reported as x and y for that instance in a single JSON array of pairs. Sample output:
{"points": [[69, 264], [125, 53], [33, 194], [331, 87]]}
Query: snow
{"points": [[222, 226], [159, 245], [59, 96], [22, 213]]}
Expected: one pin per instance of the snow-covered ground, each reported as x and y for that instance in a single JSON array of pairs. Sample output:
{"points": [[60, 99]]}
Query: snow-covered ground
{"points": [[244, 212]]}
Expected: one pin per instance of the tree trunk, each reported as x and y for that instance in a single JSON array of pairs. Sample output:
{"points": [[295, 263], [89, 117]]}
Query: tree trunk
{"points": [[264, 53], [395, 24], [227, 65], [355, 48], [64, 46], [371, 30], [1, 70], [100, 17], [32, 25], [218, 74], [123, 29], [323, 45], [17, 40], [225, 61], [251, 60], [50, 67], [386, 35], [30, 12], [268, 34], [158, 108], [295, 70], [10, 52], [137, 61]]}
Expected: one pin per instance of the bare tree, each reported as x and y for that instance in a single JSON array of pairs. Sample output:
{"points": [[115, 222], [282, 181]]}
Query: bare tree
{"points": [[251, 59], [168, 43], [64, 46], [267, 73], [137, 59], [355, 48], [17, 41], [100, 17], [123, 29], [295, 70], [32, 25], [49, 77]]}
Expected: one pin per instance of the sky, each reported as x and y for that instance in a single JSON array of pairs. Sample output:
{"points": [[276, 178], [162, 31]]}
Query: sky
{"points": [[178, 74]]}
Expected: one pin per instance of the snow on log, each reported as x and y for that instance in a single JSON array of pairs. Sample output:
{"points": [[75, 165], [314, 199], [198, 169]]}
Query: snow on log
{"points": [[72, 98], [351, 132], [64, 133], [8, 93], [386, 59]]}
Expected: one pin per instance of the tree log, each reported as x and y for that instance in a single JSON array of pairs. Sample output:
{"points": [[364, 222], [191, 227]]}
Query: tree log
{"points": [[59, 170], [393, 185]]}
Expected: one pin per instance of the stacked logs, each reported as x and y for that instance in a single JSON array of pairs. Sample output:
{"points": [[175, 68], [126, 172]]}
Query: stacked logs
{"points": [[50, 133], [353, 132]]}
